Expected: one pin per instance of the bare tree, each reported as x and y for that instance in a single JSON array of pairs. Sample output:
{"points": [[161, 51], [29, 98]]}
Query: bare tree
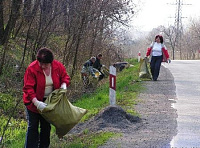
{"points": [[5, 33], [171, 36]]}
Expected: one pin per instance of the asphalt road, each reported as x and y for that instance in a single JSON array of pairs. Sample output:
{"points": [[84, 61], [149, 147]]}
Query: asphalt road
{"points": [[186, 75]]}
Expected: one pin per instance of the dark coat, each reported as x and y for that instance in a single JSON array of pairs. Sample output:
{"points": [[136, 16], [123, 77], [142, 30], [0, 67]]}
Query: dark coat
{"points": [[97, 64]]}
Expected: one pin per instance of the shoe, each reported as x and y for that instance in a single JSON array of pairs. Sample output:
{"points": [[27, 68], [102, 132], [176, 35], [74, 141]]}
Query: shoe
{"points": [[154, 79]]}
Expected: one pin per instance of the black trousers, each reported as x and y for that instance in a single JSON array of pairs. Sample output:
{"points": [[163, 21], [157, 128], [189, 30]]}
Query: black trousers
{"points": [[155, 66], [34, 138]]}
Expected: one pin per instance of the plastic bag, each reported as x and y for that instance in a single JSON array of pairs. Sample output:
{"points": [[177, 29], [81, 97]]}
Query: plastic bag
{"points": [[61, 113], [143, 69]]}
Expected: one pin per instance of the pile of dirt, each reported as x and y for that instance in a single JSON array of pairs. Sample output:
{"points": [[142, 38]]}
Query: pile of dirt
{"points": [[112, 118]]}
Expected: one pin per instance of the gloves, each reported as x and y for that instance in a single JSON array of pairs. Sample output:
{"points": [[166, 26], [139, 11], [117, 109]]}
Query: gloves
{"points": [[146, 58], [63, 86], [39, 104]]}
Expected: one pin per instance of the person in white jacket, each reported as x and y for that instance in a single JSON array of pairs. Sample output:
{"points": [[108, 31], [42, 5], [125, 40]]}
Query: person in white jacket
{"points": [[158, 53]]}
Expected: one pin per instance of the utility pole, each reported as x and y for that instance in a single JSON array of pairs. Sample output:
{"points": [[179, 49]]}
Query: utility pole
{"points": [[178, 25]]}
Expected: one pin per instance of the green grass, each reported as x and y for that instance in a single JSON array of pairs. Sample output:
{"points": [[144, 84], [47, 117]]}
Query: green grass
{"points": [[84, 140], [7, 102], [15, 133], [128, 88]]}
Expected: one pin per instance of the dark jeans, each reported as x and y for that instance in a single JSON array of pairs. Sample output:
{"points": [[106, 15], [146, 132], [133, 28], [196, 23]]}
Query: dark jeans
{"points": [[34, 138], [155, 66]]}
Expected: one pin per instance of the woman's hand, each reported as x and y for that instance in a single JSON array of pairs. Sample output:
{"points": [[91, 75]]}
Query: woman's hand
{"points": [[63, 86], [168, 60], [39, 104]]}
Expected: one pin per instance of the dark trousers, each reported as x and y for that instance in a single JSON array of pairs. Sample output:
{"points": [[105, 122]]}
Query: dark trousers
{"points": [[155, 66], [34, 138]]}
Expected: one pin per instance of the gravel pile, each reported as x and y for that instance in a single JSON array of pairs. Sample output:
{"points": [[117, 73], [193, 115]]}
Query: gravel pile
{"points": [[111, 118]]}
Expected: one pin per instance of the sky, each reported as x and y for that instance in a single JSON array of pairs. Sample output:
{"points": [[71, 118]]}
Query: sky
{"points": [[154, 13]]}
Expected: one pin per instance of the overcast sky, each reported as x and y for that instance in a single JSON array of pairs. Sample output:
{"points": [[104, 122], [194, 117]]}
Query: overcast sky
{"points": [[162, 12]]}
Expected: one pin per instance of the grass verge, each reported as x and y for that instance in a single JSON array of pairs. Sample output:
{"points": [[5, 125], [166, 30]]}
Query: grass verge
{"points": [[128, 88]]}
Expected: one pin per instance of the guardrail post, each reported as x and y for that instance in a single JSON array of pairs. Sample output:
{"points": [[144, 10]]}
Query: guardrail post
{"points": [[112, 91]]}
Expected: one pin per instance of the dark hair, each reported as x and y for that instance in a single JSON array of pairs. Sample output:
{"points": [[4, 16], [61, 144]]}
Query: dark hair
{"points": [[160, 37], [99, 55], [45, 55]]}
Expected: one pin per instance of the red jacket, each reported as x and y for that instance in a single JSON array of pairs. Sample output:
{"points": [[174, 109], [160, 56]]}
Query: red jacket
{"points": [[34, 82], [164, 51]]}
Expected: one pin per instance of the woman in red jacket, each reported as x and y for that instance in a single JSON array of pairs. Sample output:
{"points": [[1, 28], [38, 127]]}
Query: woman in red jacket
{"points": [[41, 77], [158, 53]]}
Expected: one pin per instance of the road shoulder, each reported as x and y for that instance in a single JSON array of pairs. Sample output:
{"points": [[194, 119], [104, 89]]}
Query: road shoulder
{"points": [[158, 124]]}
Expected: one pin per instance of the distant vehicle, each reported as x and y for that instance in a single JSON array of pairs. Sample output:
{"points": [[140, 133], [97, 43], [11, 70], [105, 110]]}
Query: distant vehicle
{"points": [[121, 65]]}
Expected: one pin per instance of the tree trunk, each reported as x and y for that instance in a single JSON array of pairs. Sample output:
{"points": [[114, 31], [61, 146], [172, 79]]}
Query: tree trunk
{"points": [[15, 13], [27, 9], [77, 46], [1, 22], [5, 48], [26, 43]]}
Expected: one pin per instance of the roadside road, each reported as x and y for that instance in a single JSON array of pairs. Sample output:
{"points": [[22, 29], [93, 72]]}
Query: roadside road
{"points": [[158, 118], [157, 125], [169, 111], [187, 80]]}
